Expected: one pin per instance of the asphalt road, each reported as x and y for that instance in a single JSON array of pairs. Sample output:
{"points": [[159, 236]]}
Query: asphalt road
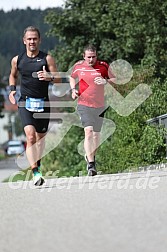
{"points": [[119, 213], [7, 168]]}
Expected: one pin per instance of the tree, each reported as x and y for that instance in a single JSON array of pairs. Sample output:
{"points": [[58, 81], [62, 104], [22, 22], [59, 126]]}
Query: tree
{"points": [[132, 30]]}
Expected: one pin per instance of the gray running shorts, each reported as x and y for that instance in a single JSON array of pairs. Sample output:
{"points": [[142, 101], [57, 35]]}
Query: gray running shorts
{"points": [[91, 116]]}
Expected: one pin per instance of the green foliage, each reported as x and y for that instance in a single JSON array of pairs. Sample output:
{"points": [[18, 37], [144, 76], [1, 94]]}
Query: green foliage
{"points": [[119, 29], [64, 159], [24, 175], [152, 145], [2, 157], [134, 142], [157, 102]]}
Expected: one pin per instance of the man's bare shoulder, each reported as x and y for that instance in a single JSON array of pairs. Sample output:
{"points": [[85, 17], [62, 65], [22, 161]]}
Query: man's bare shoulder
{"points": [[14, 60], [49, 58]]}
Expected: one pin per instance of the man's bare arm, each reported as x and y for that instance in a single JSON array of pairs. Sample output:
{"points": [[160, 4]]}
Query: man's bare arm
{"points": [[13, 79]]}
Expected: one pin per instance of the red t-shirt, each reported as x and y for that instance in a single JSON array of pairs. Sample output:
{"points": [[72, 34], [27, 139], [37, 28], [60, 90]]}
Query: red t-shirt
{"points": [[91, 94]]}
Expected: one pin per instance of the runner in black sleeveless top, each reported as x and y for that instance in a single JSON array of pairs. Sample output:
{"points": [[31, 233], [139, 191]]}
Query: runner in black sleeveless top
{"points": [[37, 69], [33, 87]]}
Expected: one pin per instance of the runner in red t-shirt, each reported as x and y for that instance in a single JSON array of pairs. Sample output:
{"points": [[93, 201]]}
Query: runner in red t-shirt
{"points": [[92, 75]]}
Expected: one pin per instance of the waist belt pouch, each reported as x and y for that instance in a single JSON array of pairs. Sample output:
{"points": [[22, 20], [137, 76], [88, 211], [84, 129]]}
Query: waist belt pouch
{"points": [[35, 104]]}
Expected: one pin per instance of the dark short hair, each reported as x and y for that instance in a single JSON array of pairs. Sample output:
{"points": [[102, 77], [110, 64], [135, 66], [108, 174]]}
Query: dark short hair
{"points": [[32, 28], [90, 47]]}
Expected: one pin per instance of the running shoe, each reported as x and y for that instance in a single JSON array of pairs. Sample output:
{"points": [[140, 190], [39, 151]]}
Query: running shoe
{"points": [[38, 179], [91, 169]]}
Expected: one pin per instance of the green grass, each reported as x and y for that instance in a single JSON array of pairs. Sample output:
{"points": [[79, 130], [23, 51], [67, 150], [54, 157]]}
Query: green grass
{"points": [[2, 156], [23, 175]]}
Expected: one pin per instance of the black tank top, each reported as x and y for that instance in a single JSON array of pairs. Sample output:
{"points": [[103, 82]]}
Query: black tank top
{"points": [[30, 86]]}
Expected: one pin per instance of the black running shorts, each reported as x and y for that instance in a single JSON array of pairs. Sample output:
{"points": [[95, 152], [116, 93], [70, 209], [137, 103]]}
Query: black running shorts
{"points": [[27, 118], [91, 117]]}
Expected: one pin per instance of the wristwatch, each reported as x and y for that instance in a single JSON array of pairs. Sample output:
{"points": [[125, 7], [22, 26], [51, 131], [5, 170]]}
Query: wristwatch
{"points": [[12, 88]]}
